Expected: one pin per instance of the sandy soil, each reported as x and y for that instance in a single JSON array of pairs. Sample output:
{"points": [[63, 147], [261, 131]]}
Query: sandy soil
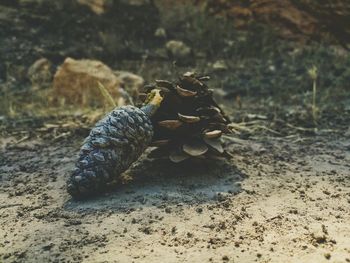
{"points": [[277, 200]]}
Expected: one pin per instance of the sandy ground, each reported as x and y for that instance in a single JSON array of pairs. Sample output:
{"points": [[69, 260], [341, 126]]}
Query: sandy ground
{"points": [[277, 200]]}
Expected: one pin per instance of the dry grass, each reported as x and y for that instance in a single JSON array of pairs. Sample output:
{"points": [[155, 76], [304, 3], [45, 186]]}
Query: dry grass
{"points": [[313, 75]]}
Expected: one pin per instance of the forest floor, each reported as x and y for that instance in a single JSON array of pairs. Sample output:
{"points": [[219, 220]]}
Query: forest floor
{"points": [[279, 199]]}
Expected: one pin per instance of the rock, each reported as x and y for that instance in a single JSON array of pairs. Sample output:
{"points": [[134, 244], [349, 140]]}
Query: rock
{"points": [[76, 82], [161, 53], [160, 33], [100, 7], [97, 6], [131, 83], [178, 50], [220, 65], [347, 132], [294, 19], [39, 73], [319, 234], [136, 2]]}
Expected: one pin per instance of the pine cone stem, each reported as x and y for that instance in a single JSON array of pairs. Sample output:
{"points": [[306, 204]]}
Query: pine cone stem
{"points": [[153, 102]]}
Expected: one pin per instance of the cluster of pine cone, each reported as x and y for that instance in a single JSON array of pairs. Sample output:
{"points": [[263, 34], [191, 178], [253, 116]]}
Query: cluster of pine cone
{"points": [[181, 119]]}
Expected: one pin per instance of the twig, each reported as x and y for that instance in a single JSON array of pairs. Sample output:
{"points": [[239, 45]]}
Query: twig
{"points": [[299, 128], [266, 128], [235, 139], [313, 75], [314, 107], [9, 205], [65, 134], [143, 63], [238, 126], [22, 139], [106, 95]]}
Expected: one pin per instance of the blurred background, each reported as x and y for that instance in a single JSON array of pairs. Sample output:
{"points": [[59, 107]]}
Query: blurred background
{"points": [[285, 62]]}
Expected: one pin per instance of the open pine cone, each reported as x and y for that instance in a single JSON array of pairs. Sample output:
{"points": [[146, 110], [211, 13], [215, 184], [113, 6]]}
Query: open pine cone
{"points": [[188, 123]]}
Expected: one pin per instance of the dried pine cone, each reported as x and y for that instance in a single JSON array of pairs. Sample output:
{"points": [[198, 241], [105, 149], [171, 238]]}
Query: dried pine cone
{"points": [[112, 146], [189, 123]]}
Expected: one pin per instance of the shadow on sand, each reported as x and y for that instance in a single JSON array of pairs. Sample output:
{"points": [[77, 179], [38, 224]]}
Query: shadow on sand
{"points": [[161, 183]]}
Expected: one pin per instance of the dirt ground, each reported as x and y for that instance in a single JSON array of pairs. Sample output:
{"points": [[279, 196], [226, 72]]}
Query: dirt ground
{"points": [[276, 200]]}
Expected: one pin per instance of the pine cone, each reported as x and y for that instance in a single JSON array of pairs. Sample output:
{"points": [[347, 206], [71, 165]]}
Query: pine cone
{"points": [[112, 146], [188, 123]]}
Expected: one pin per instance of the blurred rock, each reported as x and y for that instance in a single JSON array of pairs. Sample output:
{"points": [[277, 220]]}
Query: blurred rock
{"points": [[219, 65], [161, 53], [347, 132], [97, 6], [101, 6], [136, 2], [178, 50], [294, 19], [160, 33], [131, 83], [39, 73], [76, 82]]}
